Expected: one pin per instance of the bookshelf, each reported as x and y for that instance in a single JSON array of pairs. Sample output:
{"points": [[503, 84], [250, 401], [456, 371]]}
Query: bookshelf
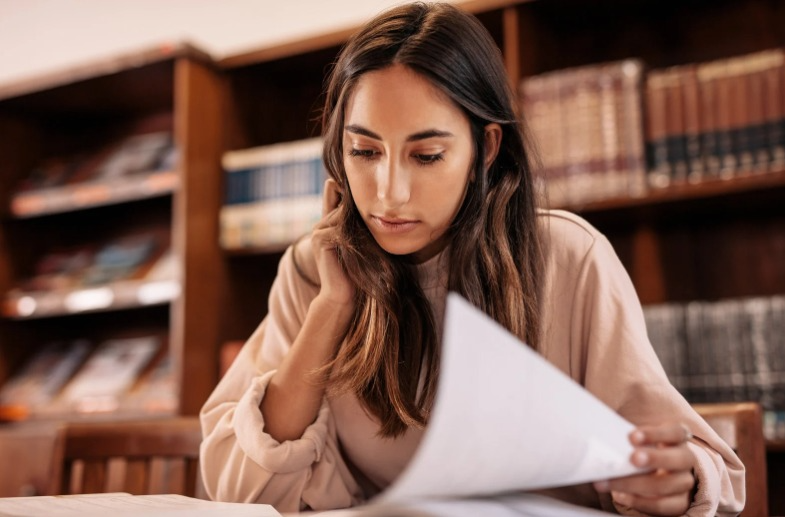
{"points": [[711, 240], [111, 207]]}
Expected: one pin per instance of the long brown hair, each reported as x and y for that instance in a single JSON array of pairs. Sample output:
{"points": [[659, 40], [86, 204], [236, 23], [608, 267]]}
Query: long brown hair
{"points": [[496, 264]]}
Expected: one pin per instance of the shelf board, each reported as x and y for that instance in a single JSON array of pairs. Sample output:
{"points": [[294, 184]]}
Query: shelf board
{"points": [[126, 294], [707, 189], [259, 250], [335, 38], [93, 194], [775, 445], [103, 67]]}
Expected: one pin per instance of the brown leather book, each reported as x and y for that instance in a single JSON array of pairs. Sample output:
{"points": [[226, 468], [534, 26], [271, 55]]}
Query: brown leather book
{"points": [[707, 87], [725, 111], [659, 167], [774, 106], [631, 131], [692, 122], [674, 125], [740, 125], [753, 74]]}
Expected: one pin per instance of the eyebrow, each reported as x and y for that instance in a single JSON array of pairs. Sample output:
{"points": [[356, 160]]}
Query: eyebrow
{"points": [[422, 135]]}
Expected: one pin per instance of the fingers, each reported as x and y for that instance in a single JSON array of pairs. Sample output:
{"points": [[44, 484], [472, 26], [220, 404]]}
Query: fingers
{"points": [[668, 505], [332, 196], [672, 434], [673, 458], [666, 488], [651, 485]]}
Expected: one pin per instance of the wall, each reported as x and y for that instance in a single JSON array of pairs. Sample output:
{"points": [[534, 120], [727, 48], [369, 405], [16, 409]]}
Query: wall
{"points": [[41, 36]]}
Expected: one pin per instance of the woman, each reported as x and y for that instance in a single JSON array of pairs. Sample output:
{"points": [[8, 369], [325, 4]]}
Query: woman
{"points": [[431, 190]]}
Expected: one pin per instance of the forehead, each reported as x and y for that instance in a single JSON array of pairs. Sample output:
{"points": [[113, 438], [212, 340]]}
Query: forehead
{"points": [[397, 98]]}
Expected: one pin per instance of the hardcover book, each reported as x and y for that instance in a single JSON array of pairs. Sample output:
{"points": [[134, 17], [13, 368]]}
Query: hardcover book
{"points": [[109, 372]]}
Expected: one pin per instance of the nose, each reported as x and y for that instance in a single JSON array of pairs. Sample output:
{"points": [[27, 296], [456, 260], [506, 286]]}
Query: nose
{"points": [[393, 184]]}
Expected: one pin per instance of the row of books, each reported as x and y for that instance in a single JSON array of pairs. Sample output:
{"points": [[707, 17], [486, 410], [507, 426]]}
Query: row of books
{"points": [[134, 166], [136, 268], [273, 194], [614, 129], [716, 119], [76, 377], [588, 127], [724, 351]]}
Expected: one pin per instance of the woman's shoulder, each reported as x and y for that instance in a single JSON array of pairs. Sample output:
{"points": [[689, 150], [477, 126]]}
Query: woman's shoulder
{"points": [[302, 262], [567, 232]]}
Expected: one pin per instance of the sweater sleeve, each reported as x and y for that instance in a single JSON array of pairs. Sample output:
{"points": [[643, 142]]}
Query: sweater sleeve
{"points": [[621, 368], [240, 462]]}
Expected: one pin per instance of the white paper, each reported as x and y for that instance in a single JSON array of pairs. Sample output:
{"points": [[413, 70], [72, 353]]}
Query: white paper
{"points": [[505, 420], [125, 505]]}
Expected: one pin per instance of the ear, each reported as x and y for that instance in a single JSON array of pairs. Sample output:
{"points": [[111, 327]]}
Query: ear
{"points": [[493, 140]]}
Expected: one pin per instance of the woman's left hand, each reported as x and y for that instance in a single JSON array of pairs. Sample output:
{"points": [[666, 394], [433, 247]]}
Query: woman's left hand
{"points": [[667, 489]]}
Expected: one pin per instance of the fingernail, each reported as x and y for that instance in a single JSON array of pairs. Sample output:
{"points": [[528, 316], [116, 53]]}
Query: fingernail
{"points": [[602, 486], [622, 498], [640, 458], [637, 437]]}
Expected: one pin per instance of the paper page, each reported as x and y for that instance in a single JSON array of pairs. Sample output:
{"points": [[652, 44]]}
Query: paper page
{"points": [[507, 420], [126, 505], [514, 505]]}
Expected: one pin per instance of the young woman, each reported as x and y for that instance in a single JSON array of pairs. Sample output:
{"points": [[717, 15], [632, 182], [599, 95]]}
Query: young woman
{"points": [[431, 190]]}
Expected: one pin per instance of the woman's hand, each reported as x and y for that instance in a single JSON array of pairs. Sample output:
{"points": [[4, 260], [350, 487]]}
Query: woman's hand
{"points": [[667, 489], [335, 285]]}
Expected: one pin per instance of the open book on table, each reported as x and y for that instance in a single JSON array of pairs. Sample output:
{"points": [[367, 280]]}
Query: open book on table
{"points": [[504, 421], [126, 505]]}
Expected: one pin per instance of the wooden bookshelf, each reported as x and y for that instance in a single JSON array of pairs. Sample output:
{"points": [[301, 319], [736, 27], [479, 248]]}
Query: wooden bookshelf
{"points": [[170, 88], [710, 240]]}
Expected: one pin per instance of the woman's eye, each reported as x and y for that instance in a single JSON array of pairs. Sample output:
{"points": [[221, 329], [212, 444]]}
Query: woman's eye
{"points": [[429, 159], [366, 154]]}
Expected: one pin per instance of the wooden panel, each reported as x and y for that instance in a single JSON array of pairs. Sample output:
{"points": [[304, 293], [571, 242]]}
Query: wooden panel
{"points": [[140, 457], [136, 476], [198, 127], [740, 425], [93, 476], [29, 458], [575, 32]]}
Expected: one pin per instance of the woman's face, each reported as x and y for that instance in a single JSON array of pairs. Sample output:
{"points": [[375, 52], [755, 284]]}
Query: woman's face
{"points": [[408, 153]]}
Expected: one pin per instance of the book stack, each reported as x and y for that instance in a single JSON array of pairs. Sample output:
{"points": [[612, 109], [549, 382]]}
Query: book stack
{"points": [[587, 125], [71, 377], [716, 119], [273, 194], [725, 351], [133, 167], [131, 270]]}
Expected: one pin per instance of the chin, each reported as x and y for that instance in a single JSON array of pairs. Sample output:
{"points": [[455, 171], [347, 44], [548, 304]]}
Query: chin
{"points": [[397, 248]]}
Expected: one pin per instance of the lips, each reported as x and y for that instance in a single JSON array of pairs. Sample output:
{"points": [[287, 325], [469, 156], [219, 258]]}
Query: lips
{"points": [[394, 224]]}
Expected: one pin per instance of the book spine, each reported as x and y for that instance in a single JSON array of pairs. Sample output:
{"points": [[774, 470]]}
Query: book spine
{"points": [[674, 126], [659, 167], [774, 93], [725, 110], [707, 81], [692, 123]]}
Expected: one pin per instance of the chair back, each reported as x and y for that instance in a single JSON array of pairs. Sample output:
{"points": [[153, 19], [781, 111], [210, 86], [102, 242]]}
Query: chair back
{"points": [[140, 457], [740, 424]]}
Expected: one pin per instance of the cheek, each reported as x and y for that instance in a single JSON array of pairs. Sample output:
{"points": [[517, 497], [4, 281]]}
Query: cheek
{"points": [[361, 184]]}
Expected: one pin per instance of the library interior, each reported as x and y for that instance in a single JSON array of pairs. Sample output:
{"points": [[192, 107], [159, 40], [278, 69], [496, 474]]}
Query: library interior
{"points": [[147, 197]]}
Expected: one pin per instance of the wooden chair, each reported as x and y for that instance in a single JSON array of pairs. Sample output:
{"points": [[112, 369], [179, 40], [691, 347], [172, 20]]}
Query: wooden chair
{"points": [[741, 426], [142, 457]]}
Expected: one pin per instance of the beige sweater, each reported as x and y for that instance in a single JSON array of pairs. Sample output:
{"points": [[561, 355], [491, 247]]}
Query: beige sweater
{"points": [[593, 330]]}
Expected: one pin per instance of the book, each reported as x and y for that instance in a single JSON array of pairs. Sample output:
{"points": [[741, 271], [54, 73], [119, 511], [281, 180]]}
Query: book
{"points": [[137, 153], [108, 373], [126, 505], [37, 383]]}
